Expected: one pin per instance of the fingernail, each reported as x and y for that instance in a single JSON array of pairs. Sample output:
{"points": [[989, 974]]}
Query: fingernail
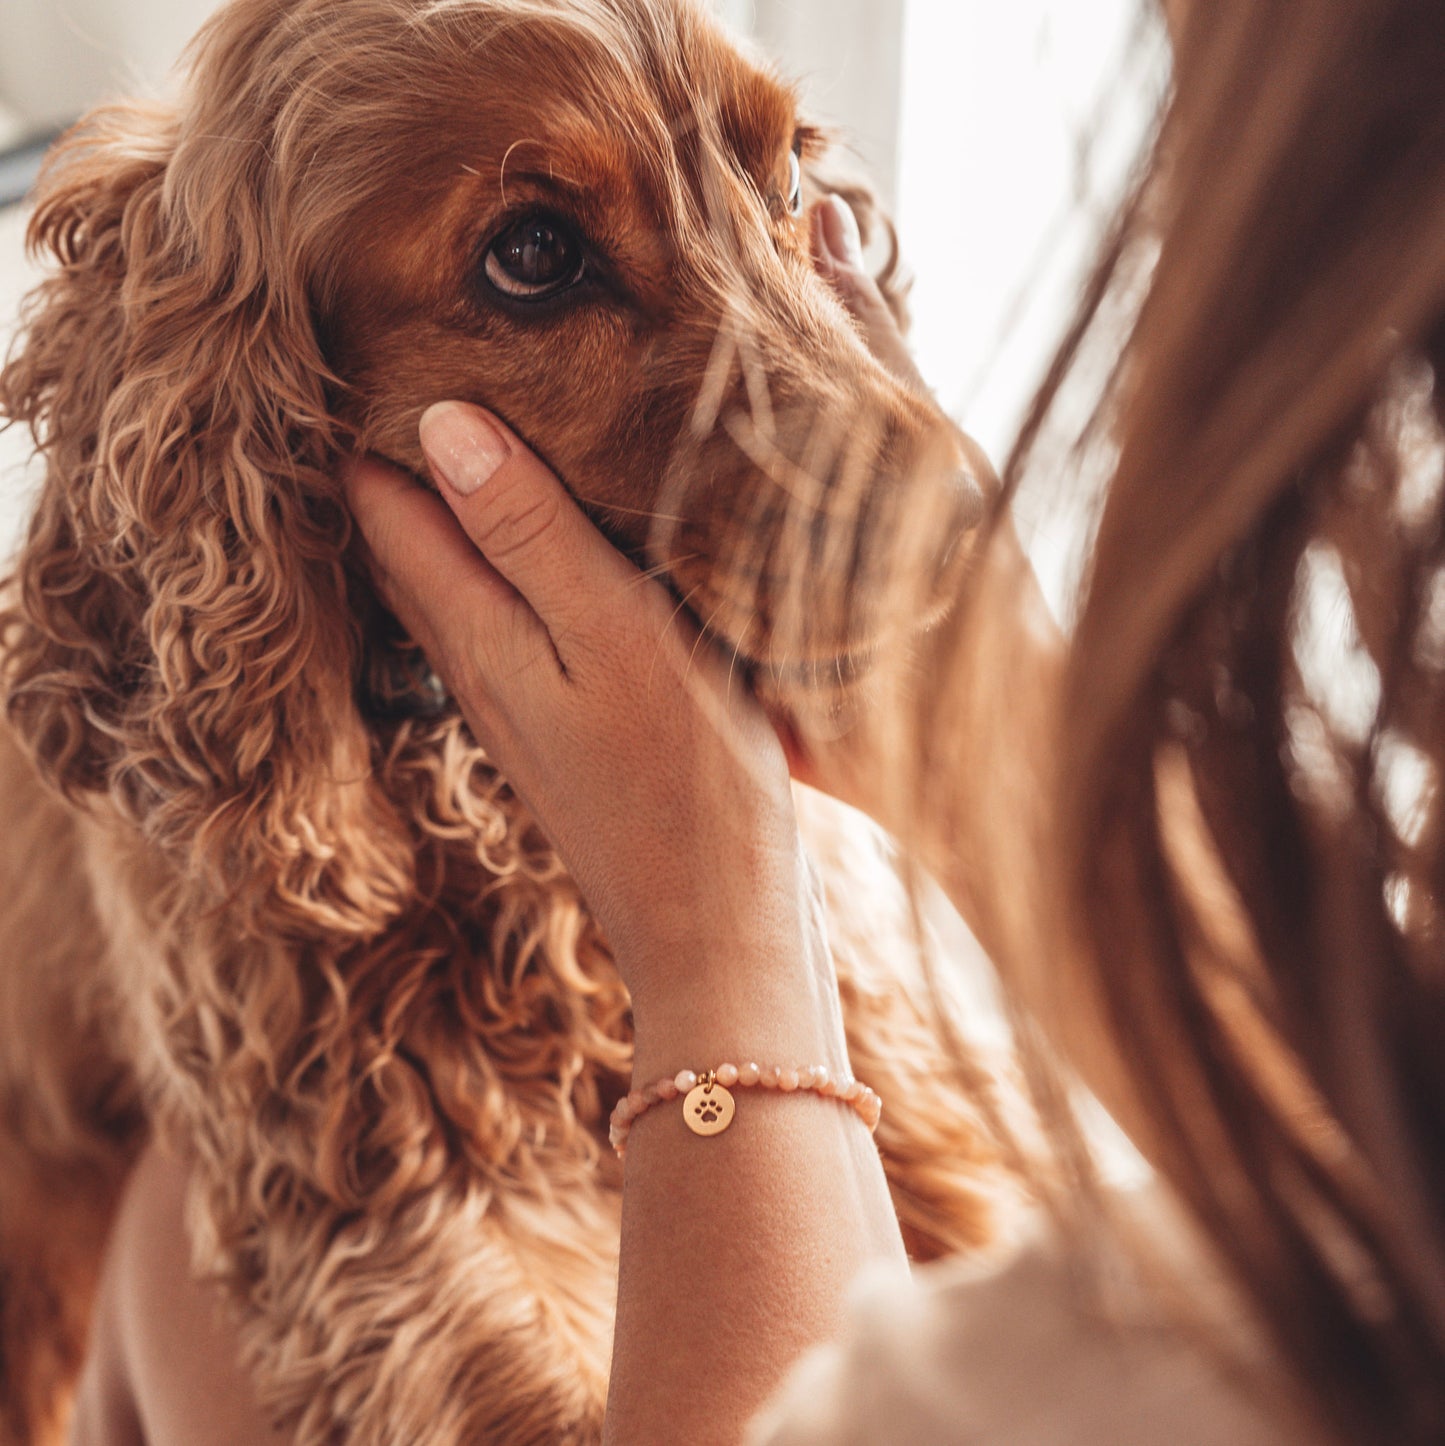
{"points": [[840, 230], [464, 446]]}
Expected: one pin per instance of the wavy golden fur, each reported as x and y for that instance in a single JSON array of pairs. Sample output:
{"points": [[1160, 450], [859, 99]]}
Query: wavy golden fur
{"points": [[262, 893]]}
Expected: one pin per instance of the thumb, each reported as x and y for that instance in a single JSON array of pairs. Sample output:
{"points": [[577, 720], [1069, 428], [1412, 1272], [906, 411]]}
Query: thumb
{"points": [[520, 517]]}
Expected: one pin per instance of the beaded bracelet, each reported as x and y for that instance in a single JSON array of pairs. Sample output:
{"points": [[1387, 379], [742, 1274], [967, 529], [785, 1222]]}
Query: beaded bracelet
{"points": [[708, 1106]]}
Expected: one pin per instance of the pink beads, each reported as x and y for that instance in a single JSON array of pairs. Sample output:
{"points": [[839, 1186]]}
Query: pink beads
{"points": [[787, 1079]]}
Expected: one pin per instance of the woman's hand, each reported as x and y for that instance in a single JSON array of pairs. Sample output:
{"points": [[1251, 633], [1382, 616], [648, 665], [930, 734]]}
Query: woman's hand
{"points": [[839, 260], [667, 794], [659, 779]]}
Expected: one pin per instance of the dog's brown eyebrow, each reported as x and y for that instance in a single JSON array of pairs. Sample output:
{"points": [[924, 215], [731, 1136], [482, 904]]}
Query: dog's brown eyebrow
{"points": [[760, 120], [563, 186]]}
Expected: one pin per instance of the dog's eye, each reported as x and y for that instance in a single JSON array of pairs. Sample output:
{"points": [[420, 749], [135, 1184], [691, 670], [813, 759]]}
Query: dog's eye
{"points": [[795, 183], [535, 258]]}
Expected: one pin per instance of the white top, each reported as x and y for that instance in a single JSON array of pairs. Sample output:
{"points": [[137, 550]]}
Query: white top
{"points": [[1013, 1355]]}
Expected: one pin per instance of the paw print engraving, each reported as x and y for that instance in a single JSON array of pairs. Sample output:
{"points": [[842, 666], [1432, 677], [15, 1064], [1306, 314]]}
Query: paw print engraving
{"points": [[708, 1111]]}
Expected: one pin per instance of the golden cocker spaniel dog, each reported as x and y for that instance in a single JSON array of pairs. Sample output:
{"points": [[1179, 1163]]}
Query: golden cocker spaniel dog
{"points": [[260, 892]]}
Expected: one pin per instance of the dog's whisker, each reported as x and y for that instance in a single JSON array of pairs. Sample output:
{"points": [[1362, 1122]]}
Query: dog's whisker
{"points": [[506, 160], [648, 513], [732, 667], [661, 569], [676, 613], [703, 634]]}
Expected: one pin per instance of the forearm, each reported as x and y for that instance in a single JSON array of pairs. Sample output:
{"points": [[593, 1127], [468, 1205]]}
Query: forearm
{"points": [[738, 1249]]}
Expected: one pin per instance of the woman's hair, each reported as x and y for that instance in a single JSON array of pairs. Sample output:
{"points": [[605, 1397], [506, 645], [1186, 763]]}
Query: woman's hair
{"points": [[1245, 842]]}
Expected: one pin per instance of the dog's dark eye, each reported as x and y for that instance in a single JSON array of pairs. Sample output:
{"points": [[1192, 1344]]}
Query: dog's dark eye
{"points": [[795, 183], [535, 258]]}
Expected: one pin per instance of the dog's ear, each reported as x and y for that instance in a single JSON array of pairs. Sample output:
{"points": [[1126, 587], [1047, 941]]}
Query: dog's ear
{"points": [[178, 637], [830, 174]]}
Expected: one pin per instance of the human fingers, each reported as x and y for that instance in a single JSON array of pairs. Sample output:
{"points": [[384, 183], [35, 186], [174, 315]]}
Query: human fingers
{"points": [[449, 597], [528, 527], [838, 257]]}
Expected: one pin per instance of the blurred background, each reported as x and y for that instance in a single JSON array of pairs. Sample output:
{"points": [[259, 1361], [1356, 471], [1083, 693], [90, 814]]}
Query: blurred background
{"points": [[1000, 134]]}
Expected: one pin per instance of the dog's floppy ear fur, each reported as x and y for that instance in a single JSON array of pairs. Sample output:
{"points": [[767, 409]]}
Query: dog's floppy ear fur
{"points": [[178, 636]]}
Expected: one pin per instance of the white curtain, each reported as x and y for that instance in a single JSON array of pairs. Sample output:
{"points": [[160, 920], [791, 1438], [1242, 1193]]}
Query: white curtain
{"points": [[848, 54], [58, 57]]}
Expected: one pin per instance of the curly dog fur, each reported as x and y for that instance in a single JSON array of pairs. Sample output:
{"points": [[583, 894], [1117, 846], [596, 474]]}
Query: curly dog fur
{"points": [[260, 891]]}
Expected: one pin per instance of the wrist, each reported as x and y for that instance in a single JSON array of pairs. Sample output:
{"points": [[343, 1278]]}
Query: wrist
{"points": [[774, 1009], [663, 1054], [709, 1103]]}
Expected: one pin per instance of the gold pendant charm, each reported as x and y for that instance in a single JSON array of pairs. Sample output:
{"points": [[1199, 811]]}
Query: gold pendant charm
{"points": [[708, 1108]]}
